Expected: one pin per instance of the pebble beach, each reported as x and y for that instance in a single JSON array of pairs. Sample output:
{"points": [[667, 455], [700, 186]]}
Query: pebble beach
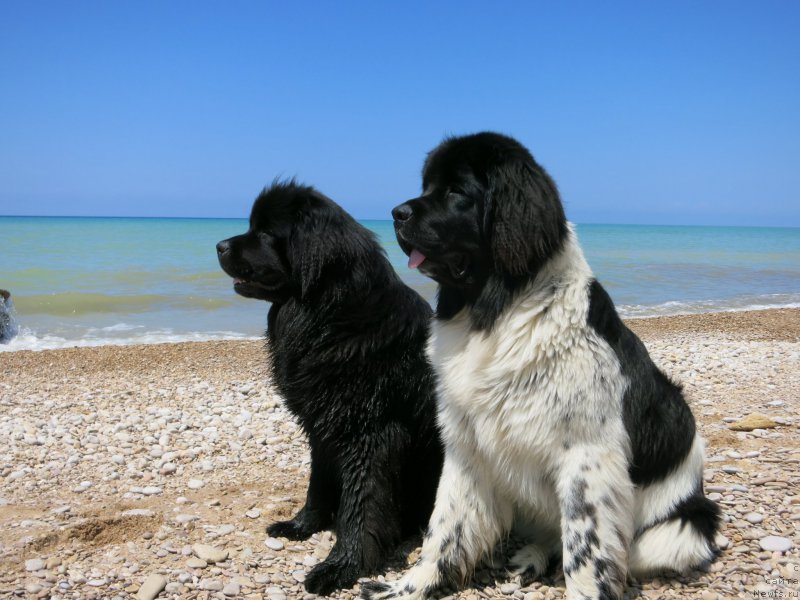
{"points": [[153, 470]]}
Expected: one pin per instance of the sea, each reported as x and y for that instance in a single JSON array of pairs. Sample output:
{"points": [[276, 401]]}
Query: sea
{"points": [[99, 281]]}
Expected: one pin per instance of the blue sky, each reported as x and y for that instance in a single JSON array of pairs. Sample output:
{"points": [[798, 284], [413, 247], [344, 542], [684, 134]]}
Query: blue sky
{"points": [[643, 112]]}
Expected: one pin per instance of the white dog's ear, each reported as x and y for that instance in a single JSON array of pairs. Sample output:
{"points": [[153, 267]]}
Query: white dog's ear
{"points": [[525, 218]]}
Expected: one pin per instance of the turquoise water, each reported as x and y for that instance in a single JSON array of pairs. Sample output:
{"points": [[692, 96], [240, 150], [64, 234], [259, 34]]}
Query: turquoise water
{"points": [[89, 281]]}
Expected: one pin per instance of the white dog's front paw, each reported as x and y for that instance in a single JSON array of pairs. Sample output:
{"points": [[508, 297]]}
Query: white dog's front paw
{"points": [[396, 590]]}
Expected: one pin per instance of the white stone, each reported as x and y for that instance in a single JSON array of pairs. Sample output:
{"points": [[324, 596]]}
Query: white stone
{"points": [[214, 585], [34, 564], [232, 589], [273, 544], [195, 484], [722, 542], [774, 543], [184, 518], [253, 513], [196, 563], [210, 554], [138, 512], [754, 517]]}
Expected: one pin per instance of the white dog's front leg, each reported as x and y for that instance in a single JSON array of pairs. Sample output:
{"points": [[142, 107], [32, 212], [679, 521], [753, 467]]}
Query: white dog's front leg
{"points": [[467, 521], [596, 496]]}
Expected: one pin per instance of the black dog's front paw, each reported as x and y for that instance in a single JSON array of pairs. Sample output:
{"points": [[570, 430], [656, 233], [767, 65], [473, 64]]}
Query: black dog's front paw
{"points": [[329, 576], [293, 530]]}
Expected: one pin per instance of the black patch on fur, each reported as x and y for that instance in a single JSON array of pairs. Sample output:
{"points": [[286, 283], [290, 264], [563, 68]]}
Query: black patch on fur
{"points": [[347, 343], [700, 513], [370, 589], [659, 423]]}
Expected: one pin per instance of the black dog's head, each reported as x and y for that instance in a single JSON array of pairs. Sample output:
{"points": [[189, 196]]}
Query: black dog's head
{"points": [[487, 221], [300, 244]]}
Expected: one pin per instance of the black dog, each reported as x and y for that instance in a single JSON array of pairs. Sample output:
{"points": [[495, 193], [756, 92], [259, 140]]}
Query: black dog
{"points": [[555, 420], [347, 339]]}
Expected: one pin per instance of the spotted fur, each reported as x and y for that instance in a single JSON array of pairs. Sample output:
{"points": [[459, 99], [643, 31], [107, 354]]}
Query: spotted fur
{"points": [[555, 420]]}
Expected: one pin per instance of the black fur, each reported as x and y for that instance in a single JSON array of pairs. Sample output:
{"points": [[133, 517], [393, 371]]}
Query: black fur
{"points": [[347, 340], [660, 424], [488, 219]]}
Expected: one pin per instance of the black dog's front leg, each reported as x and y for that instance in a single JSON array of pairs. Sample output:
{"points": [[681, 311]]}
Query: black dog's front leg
{"points": [[368, 522], [321, 503]]}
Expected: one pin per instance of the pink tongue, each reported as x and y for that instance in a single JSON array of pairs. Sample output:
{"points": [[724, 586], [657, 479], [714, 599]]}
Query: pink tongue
{"points": [[415, 259]]}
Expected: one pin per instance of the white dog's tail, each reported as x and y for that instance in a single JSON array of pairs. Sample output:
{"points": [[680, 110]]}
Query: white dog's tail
{"points": [[682, 542]]}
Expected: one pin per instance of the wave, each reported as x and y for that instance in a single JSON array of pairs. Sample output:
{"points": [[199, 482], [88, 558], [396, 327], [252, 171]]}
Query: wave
{"points": [[737, 304], [28, 339]]}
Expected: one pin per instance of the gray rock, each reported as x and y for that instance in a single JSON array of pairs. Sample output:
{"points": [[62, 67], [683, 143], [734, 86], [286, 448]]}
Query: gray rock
{"points": [[754, 517], [774, 543], [231, 589], [210, 554], [151, 587], [212, 585], [138, 512], [34, 564], [196, 563], [273, 544]]}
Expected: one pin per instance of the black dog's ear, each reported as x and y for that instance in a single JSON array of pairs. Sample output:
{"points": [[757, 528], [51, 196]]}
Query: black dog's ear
{"points": [[308, 252], [324, 253], [525, 218]]}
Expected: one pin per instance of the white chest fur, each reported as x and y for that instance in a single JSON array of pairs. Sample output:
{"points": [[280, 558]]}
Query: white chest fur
{"points": [[514, 397]]}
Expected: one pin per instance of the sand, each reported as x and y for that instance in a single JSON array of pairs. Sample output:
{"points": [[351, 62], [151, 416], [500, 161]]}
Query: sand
{"points": [[118, 460]]}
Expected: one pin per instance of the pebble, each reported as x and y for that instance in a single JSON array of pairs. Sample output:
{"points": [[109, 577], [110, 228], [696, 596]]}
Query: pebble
{"points": [[212, 585], [138, 512], [174, 587], [34, 564], [273, 544], [184, 518], [231, 589], [722, 542], [754, 517], [210, 554], [151, 587], [774, 543], [166, 426]]}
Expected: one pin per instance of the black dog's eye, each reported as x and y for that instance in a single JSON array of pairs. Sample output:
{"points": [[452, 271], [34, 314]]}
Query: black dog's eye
{"points": [[460, 200]]}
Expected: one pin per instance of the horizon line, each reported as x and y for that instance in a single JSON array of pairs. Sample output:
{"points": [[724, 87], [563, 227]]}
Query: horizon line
{"points": [[385, 220]]}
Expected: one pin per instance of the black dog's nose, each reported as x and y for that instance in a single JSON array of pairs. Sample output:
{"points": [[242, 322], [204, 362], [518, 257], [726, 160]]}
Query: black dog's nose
{"points": [[223, 247], [402, 212]]}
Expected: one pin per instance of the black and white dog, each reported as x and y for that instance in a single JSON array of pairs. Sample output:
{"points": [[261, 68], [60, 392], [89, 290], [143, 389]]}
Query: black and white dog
{"points": [[347, 342], [555, 420]]}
